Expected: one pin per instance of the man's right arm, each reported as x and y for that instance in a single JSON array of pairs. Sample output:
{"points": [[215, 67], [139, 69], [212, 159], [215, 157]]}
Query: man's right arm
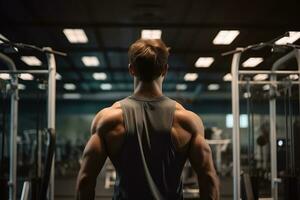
{"points": [[201, 161], [200, 157]]}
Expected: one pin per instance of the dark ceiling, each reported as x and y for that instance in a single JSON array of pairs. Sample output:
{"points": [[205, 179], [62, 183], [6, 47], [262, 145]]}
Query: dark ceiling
{"points": [[188, 27]]}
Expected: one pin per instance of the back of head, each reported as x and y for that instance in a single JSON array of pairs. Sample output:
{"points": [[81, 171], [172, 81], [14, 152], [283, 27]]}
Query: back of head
{"points": [[149, 57]]}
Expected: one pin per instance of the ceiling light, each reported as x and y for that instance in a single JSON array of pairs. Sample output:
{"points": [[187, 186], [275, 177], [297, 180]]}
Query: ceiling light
{"points": [[99, 76], [266, 87], [3, 38], [213, 87], [21, 86], [76, 35], [151, 34], [90, 61], [70, 86], [260, 77], [225, 37], [243, 121], [181, 87], [294, 76], [252, 62], [42, 86], [190, 76], [72, 96], [31, 60], [6, 40], [26, 76], [58, 76], [5, 76], [293, 37], [227, 77], [106, 86], [204, 61], [247, 95]]}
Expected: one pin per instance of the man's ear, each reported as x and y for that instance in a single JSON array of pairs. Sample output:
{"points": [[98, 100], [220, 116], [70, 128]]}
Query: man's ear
{"points": [[131, 70], [165, 70]]}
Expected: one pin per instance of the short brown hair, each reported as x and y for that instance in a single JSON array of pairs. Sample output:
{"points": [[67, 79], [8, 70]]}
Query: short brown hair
{"points": [[148, 57]]}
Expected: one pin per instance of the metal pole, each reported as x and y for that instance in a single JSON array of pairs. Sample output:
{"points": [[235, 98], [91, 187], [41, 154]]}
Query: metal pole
{"points": [[13, 139], [297, 53], [235, 127], [24, 71], [279, 63], [12, 184], [51, 112], [25, 191], [273, 134], [275, 180], [267, 82], [268, 72]]}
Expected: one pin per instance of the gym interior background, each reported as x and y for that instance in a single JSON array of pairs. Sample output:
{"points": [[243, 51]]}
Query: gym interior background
{"points": [[96, 35]]}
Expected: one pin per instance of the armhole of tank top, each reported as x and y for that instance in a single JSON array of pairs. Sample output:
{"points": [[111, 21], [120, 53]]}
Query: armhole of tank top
{"points": [[172, 113], [124, 122]]}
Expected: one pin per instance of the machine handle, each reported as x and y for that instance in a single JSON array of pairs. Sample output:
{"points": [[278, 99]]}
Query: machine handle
{"points": [[48, 164]]}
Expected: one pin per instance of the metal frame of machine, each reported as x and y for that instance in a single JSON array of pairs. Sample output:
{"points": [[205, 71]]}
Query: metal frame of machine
{"points": [[51, 96], [272, 105]]}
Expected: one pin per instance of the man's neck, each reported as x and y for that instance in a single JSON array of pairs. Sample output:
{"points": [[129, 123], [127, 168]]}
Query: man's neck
{"points": [[148, 89]]}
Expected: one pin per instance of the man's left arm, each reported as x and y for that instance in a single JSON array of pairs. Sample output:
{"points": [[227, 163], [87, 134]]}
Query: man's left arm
{"points": [[93, 159]]}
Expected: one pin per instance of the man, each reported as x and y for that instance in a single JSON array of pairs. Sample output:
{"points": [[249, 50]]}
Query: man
{"points": [[148, 137]]}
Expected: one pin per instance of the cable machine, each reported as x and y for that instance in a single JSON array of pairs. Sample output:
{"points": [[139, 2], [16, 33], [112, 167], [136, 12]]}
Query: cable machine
{"points": [[48, 175], [236, 72]]}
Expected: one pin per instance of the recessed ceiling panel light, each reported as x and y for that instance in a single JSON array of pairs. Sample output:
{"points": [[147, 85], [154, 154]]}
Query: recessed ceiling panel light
{"points": [[71, 96], [252, 62], [225, 37], [4, 76], [227, 77], [2, 37], [70, 86], [42, 86], [247, 95], [213, 87], [204, 61], [58, 76], [31, 60], [151, 34], [26, 76], [76, 35], [294, 36], [260, 77], [181, 87], [99, 76], [90, 61], [21, 86], [266, 87], [106, 86], [190, 76], [294, 76]]}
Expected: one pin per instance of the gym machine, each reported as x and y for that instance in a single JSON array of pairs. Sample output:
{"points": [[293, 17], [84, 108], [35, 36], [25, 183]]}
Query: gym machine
{"points": [[235, 82], [48, 174]]}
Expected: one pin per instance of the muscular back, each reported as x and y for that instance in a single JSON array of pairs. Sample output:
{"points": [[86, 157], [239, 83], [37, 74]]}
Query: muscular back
{"points": [[108, 131], [109, 122]]}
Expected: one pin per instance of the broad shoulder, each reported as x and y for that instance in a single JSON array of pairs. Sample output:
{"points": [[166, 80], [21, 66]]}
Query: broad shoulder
{"points": [[107, 119], [188, 120]]}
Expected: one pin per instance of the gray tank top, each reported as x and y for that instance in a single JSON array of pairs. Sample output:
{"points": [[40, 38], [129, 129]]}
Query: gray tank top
{"points": [[148, 166]]}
